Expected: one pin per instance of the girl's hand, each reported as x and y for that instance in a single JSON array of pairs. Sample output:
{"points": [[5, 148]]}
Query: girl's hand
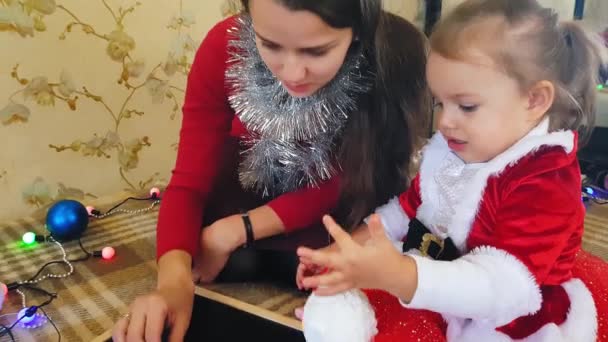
{"points": [[305, 269], [375, 265]]}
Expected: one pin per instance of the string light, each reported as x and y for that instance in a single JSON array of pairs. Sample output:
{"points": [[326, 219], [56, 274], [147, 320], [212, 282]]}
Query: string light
{"points": [[27, 317], [154, 192], [595, 194], [29, 238], [4, 289], [64, 260], [90, 210], [154, 195], [108, 253]]}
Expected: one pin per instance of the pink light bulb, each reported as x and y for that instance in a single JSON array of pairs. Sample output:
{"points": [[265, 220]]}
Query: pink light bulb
{"points": [[107, 253], [90, 210], [154, 192]]}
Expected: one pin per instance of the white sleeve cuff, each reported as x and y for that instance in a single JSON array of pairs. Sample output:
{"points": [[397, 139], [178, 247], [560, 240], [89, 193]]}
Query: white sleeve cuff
{"points": [[487, 284], [394, 220]]}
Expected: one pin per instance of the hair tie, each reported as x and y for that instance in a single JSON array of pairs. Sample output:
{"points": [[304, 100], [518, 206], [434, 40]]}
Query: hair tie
{"points": [[568, 39]]}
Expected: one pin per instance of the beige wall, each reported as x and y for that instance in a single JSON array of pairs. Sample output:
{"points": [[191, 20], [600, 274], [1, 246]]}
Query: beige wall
{"points": [[596, 14], [106, 151], [412, 10], [565, 8]]}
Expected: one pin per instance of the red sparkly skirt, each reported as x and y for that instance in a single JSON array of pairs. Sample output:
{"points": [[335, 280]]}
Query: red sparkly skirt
{"points": [[396, 323]]}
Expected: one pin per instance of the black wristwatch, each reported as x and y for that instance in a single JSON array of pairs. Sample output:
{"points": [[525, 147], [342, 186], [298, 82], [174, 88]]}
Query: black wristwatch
{"points": [[248, 230]]}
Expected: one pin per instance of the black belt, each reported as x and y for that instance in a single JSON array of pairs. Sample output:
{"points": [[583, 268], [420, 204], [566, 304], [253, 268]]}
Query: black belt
{"points": [[420, 238]]}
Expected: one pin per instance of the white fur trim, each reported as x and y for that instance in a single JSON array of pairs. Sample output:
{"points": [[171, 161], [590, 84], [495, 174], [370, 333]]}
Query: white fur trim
{"points": [[487, 285], [344, 317], [580, 326], [460, 226], [395, 222], [433, 154], [394, 219]]}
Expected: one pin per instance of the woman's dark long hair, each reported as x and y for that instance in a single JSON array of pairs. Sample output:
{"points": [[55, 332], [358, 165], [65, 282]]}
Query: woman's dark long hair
{"points": [[380, 138]]}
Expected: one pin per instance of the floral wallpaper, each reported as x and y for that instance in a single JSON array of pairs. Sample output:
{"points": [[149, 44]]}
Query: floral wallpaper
{"points": [[91, 94]]}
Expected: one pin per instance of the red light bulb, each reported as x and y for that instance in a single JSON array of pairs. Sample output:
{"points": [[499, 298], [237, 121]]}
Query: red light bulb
{"points": [[107, 253]]}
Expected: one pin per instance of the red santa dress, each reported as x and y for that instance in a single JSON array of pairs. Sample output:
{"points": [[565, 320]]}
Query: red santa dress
{"points": [[517, 222]]}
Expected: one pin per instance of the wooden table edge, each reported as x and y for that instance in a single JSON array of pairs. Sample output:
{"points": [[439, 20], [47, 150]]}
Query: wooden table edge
{"points": [[235, 303], [249, 308]]}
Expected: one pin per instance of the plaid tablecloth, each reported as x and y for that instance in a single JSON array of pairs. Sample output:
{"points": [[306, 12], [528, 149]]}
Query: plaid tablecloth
{"points": [[595, 238], [99, 292]]}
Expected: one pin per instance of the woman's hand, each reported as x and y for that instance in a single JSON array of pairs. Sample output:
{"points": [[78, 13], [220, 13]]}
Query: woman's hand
{"points": [[218, 241], [169, 306]]}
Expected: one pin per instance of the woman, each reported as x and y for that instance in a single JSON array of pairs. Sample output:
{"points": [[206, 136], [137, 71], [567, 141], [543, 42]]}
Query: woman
{"points": [[293, 109]]}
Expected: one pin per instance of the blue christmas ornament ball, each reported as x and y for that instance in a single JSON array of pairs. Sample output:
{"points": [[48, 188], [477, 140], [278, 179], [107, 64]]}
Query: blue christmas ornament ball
{"points": [[67, 219]]}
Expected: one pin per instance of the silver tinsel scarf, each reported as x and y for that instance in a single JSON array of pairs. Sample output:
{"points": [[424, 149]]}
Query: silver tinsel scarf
{"points": [[293, 139]]}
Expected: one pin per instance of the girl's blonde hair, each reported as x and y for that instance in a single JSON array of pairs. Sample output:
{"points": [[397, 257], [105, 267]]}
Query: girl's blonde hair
{"points": [[528, 43]]}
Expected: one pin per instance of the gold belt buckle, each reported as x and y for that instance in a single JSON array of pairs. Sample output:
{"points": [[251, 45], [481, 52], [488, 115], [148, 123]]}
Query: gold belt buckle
{"points": [[426, 243]]}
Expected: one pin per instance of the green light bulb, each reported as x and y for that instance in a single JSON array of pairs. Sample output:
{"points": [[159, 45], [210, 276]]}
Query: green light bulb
{"points": [[29, 238]]}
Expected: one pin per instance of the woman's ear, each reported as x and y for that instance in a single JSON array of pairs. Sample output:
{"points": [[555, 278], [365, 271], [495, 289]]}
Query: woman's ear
{"points": [[540, 99]]}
